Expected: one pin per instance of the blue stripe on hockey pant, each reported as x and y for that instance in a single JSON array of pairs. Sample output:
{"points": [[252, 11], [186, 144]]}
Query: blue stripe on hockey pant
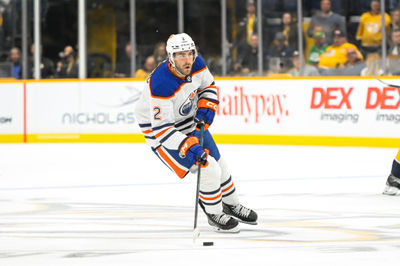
{"points": [[208, 143]]}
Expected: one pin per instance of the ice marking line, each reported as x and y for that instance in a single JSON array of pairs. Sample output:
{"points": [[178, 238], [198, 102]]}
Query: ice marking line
{"points": [[174, 183], [84, 186], [308, 178]]}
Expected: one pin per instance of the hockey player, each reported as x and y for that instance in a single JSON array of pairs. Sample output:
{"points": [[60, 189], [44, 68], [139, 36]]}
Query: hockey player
{"points": [[179, 93], [393, 181]]}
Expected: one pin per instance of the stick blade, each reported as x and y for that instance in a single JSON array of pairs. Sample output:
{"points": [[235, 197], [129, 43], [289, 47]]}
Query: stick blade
{"points": [[196, 234]]}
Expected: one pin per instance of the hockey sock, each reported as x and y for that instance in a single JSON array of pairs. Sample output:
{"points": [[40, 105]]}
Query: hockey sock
{"points": [[229, 195], [396, 166], [210, 191]]}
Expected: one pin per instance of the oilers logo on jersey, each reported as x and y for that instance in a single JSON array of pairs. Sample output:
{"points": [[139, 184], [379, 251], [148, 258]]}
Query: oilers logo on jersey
{"points": [[187, 106]]}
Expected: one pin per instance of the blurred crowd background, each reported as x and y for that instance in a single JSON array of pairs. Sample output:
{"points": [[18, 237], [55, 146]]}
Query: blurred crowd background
{"points": [[338, 37]]}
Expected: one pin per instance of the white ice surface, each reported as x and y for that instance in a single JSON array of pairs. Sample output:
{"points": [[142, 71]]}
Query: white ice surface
{"points": [[116, 204]]}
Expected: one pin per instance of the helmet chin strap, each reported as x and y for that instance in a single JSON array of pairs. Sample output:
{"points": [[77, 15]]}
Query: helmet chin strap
{"points": [[175, 69], [171, 60]]}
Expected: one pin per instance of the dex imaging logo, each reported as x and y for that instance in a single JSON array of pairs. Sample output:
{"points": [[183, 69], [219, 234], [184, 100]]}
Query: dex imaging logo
{"points": [[387, 98], [334, 103], [386, 102], [331, 98]]}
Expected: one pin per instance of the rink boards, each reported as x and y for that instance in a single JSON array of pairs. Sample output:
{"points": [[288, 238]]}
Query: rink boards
{"points": [[297, 111]]}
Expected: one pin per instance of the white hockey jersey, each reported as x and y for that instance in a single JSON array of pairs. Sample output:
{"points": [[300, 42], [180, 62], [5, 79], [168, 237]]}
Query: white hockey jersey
{"points": [[168, 104]]}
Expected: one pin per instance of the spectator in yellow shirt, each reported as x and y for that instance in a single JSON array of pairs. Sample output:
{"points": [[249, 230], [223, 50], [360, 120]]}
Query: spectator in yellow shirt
{"points": [[335, 55], [149, 65], [370, 29]]}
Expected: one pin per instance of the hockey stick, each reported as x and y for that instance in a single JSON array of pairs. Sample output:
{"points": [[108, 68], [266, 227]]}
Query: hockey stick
{"points": [[196, 232], [385, 83]]}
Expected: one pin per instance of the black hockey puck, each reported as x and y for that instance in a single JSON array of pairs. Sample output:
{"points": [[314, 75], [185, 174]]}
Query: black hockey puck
{"points": [[208, 243]]}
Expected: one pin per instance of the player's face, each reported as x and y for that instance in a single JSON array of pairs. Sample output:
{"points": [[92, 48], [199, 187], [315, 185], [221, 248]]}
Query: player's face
{"points": [[184, 61]]}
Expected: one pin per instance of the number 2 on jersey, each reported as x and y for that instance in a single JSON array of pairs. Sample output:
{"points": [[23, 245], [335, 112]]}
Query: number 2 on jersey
{"points": [[157, 112]]}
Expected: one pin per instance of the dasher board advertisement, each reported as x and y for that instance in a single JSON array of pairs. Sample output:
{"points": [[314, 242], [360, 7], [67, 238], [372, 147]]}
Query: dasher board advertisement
{"points": [[316, 107], [251, 110], [11, 112], [82, 107]]}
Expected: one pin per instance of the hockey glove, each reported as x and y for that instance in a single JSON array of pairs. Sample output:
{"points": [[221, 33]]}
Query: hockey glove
{"points": [[206, 112], [191, 149]]}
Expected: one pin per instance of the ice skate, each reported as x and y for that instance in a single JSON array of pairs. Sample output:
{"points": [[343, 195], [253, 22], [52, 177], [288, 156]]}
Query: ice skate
{"points": [[221, 223], [392, 186], [241, 213]]}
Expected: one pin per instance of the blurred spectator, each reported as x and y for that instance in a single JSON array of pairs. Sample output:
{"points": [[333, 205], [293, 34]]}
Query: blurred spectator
{"points": [[47, 69], [15, 59], [149, 65], [328, 20], [290, 30], [247, 26], [123, 69], [2, 36], [68, 66], [373, 65], [393, 59], [395, 20], [394, 4], [248, 63], [278, 55], [318, 48], [308, 70], [394, 48], [393, 65], [160, 52], [354, 64], [335, 55], [370, 29]]}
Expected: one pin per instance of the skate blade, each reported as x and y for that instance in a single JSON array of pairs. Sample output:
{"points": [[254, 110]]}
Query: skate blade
{"points": [[234, 230], [391, 191], [244, 222]]}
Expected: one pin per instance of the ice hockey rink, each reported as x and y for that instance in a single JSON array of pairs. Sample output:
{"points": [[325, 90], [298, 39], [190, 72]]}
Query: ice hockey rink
{"points": [[116, 204]]}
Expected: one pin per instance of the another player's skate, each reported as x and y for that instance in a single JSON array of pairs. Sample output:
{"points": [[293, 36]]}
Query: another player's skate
{"points": [[243, 214], [392, 186], [221, 223]]}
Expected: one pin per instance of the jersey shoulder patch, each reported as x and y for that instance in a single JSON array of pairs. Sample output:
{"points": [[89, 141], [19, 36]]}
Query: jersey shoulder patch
{"points": [[198, 65], [163, 83]]}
